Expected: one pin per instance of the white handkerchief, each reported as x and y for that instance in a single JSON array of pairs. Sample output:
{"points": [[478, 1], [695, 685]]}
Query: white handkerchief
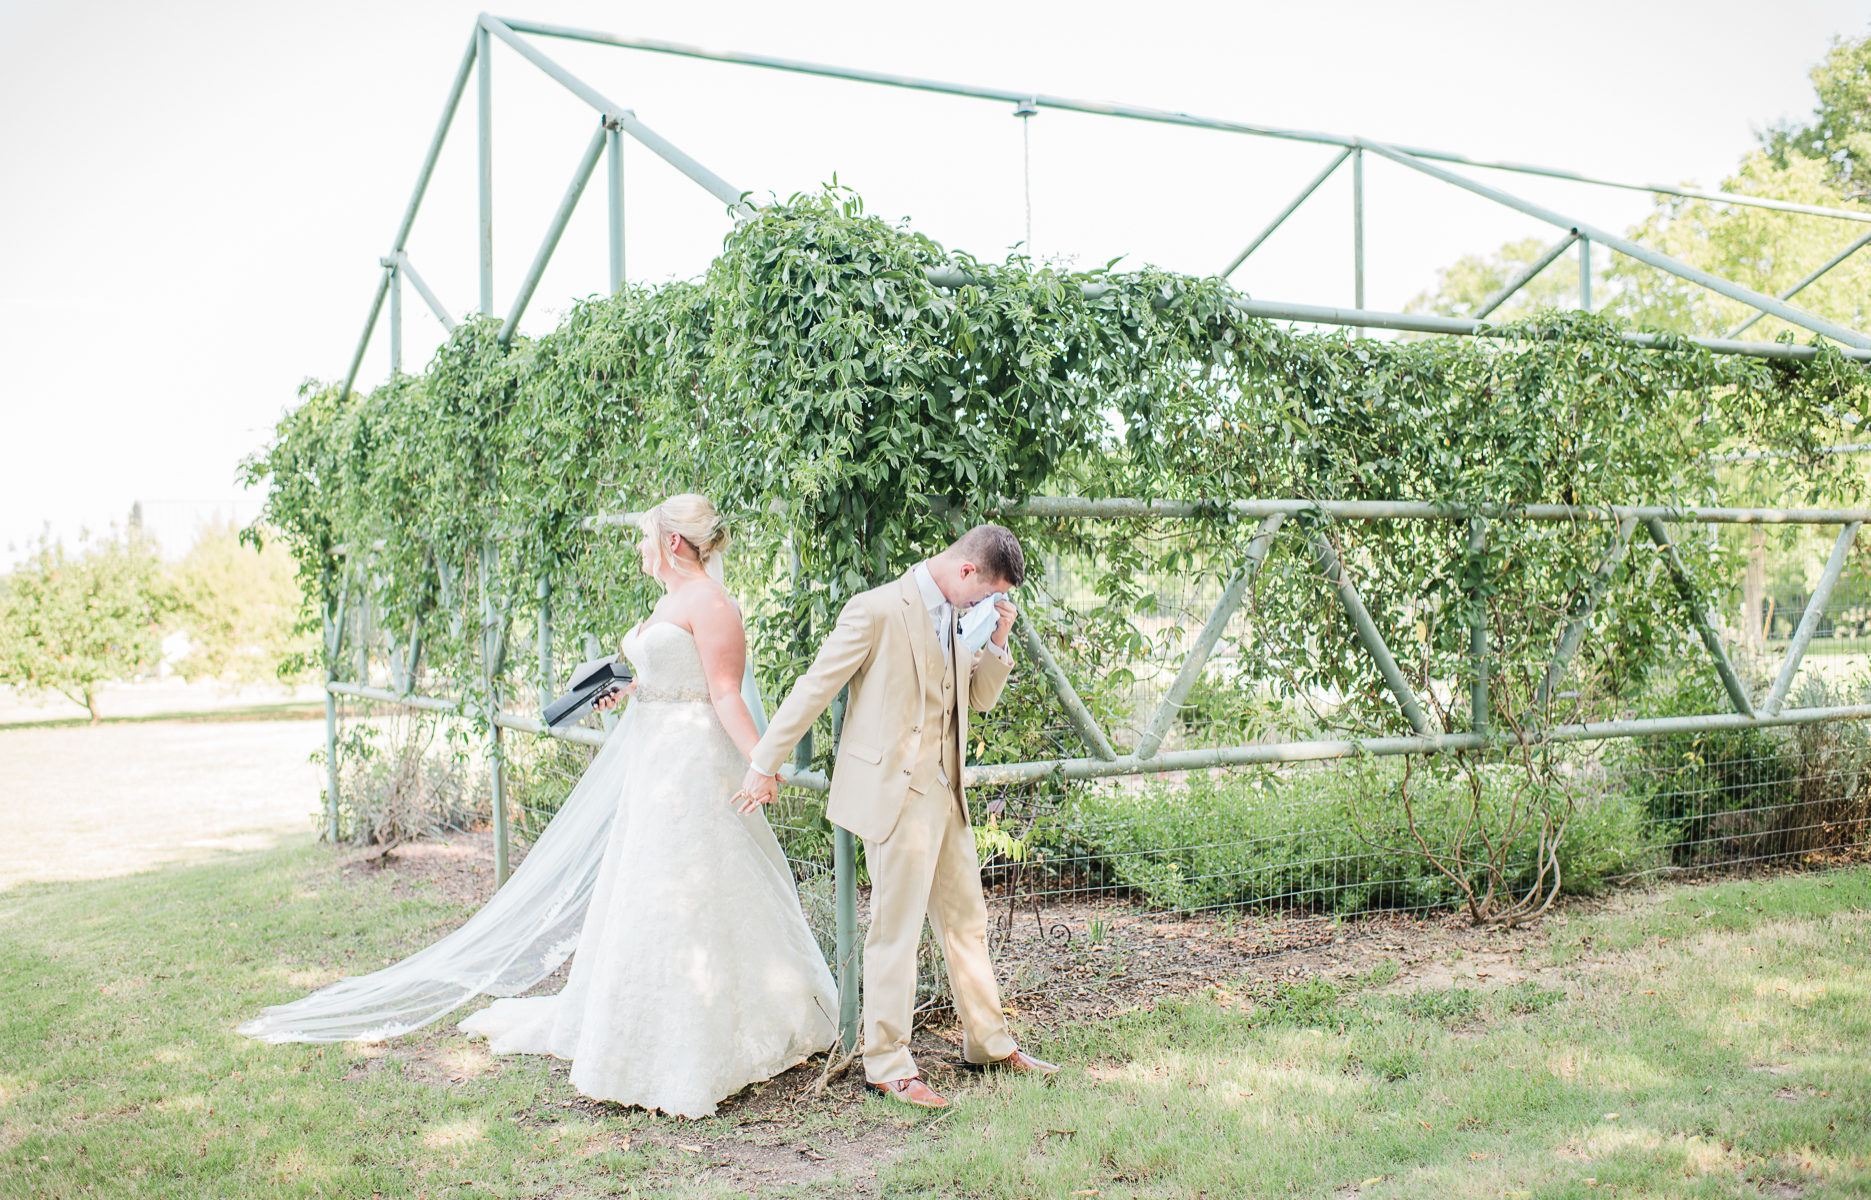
{"points": [[977, 624]]}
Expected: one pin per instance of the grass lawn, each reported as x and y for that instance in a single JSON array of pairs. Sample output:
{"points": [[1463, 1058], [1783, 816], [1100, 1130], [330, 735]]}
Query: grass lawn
{"points": [[1705, 1040]]}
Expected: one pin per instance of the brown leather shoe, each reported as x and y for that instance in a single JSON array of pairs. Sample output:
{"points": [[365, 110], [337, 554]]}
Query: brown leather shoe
{"points": [[912, 1091], [1024, 1063]]}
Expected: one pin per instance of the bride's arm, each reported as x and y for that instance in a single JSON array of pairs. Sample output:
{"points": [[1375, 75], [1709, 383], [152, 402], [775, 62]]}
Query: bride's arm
{"points": [[722, 642]]}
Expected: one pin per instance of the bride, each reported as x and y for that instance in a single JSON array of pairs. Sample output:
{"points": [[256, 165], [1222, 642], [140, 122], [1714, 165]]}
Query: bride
{"points": [[696, 973]]}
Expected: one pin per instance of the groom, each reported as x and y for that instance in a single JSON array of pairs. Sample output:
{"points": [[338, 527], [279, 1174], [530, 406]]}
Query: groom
{"points": [[898, 785]]}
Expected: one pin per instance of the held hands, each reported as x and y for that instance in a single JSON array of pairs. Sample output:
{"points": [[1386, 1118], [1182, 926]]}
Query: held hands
{"points": [[756, 789]]}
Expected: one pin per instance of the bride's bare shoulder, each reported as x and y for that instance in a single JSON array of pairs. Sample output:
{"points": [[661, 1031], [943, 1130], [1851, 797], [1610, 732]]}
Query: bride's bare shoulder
{"points": [[708, 609]]}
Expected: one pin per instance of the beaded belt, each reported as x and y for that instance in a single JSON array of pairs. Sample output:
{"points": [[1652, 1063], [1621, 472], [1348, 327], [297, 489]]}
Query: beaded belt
{"points": [[672, 695]]}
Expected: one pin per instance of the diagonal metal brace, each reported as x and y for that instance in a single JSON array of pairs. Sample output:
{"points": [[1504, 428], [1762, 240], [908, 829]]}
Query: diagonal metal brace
{"points": [[1373, 641], [1570, 641], [1699, 614], [1809, 621], [1082, 720], [1204, 643], [1525, 275]]}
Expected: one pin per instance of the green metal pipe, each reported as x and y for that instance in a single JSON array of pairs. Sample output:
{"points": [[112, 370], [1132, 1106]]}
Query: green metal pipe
{"points": [[331, 765], [363, 342], [570, 733], [1325, 750], [567, 203], [422, 289], [722, 190], [1699, 615], [614, 176], [1373, 641], [1643, 254], [1139, 113], [547, 687], [1357, 231], [845, 898], [396, 319], [1082, 720], [442, 126], [1479, 714], [1856, 245], [484, 83], [1291, 207], [1525, 275], [1204, 644], [1809, 620], [406, 700], [1413, 510], [1574, 635], [333, 638], [1321, 314]]}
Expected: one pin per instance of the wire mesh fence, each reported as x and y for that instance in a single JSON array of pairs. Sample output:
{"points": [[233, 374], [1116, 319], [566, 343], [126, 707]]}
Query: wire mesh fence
{"points": [[1338, 837]]}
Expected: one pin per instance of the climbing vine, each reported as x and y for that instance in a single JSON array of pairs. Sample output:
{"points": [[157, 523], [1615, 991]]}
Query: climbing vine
{"points": [[846, 411]]}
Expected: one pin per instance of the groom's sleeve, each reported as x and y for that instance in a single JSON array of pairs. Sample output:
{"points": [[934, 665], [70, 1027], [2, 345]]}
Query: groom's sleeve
{"points": [[843, 653]]}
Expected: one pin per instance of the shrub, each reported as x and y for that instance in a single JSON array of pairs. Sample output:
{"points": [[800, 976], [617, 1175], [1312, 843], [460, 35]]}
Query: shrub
{"points": [[1322, 838], [407, 787], [1707, 790]]}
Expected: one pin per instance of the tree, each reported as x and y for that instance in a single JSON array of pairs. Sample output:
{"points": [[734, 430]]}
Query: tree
{"points": [[68, 624], [239, 603], [1461, 289], [1759, 248], [1827, 162], [1839, 135]]}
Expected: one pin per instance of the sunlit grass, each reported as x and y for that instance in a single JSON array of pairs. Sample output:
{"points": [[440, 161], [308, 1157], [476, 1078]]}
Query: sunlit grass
{"points": [[1698, 1041], [1711, 1042]]}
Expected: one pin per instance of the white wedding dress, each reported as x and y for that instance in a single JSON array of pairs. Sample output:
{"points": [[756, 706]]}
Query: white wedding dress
{"points": [[695, 973]]}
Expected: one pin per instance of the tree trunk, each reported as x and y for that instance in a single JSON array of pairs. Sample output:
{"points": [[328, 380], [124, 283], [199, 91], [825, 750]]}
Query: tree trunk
{"points": [[1754, 591], [90, 702]]}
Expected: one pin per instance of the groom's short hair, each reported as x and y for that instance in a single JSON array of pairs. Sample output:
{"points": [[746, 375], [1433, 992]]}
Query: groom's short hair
{"points": [[996, 551]]}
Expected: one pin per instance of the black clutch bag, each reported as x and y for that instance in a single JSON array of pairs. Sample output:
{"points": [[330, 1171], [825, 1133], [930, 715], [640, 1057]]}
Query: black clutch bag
{"points": [[590, 683]]}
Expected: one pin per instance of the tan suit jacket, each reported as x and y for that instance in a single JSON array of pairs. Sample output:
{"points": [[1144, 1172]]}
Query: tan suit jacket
{"points": [[879, 647]]}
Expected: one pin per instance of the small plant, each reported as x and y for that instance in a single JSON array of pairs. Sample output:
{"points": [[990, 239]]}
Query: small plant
{"points": [[1451, 1007], [1317, 1003], [1528, 997], [1383, 973], [1395, 1065]]}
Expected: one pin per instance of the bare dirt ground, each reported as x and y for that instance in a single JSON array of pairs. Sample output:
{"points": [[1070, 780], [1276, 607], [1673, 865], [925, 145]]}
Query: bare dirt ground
{"points": [[85, 802]]}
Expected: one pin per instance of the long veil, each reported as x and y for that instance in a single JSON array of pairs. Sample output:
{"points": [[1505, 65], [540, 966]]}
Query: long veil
{"points": [[517, 938]]}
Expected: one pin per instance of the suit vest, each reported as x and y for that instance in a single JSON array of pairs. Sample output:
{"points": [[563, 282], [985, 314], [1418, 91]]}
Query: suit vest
{"points": [[937, 753]]}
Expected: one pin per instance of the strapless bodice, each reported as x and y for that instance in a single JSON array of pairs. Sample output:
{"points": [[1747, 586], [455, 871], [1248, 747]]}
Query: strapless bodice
{"points": [[668, 665]]}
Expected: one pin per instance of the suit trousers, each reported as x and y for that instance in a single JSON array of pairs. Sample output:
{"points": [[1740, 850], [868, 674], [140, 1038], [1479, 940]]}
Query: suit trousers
{"points": [[927, 865]]}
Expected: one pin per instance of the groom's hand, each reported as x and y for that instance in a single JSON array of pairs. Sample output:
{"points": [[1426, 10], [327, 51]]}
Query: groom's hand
{"points": [[757, 789], [1007, 615]]}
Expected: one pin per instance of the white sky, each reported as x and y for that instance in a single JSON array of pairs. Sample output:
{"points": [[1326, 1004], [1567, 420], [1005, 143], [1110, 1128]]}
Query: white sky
{"points": [[194, 195]]}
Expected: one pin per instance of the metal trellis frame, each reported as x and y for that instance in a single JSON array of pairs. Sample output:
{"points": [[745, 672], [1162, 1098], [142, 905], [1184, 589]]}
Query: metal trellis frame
{"points": [[1104, 758], [614, 120]]}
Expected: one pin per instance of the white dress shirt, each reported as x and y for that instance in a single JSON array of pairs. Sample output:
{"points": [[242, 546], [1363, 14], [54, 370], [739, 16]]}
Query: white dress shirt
{"points": [[941, 612]]}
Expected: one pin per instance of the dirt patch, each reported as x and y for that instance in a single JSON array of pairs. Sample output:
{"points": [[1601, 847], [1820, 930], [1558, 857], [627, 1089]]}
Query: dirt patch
{"points": [[457, 868]]}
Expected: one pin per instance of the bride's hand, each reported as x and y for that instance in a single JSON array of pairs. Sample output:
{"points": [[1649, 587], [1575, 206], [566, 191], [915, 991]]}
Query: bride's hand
{"points": [[615, 697], [756, 789]]}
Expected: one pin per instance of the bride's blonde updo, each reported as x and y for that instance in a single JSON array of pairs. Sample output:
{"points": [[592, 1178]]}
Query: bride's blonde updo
{"points": [[691, 516]]}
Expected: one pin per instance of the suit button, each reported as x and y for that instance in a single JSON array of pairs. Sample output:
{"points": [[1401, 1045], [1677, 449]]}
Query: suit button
{"points": [[916, 729], [906, 770]]}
